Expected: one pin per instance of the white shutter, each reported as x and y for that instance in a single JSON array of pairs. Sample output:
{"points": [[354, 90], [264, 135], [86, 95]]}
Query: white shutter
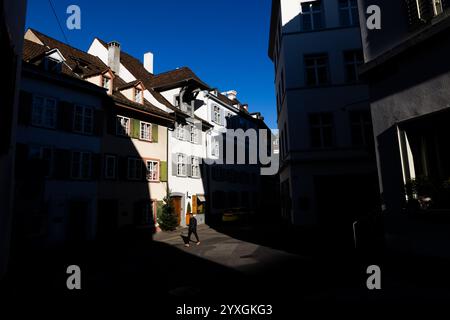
{"points": [[222, 118], [185, 160], [189, 166], [174, 163]]}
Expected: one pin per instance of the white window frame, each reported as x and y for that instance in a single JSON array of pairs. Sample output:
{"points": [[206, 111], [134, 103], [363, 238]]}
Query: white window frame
{"points": [[152, 173], [138, 95], [79, 174], [193, 134], [349, 8], [127, 127], [216, 112], [181, 165], [354, 63], [310, 12], [142, 134], [137, 172], [41, 119], [114, 158], [316, 67], [215, 146], [86, 121], [195, 164], [438, 8], [106, 83]]}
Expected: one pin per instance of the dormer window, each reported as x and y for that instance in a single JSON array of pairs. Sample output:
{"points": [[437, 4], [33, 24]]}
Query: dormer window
{"points": [[138, 95], [51, 64], [107, 83]]}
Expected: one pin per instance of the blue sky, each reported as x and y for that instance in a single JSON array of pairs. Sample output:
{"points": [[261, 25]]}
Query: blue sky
{"points": [[223, 41]]}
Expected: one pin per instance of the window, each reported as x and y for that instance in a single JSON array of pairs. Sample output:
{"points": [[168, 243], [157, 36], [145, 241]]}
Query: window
{"points": [[123, 126], [44, 155], [138, 95], [181, 165], [110, 167], [352, 60], [195, 167], [44, 112], [83, 119], [152, 170], [193, 134], [215, 146], [51, 64], [81, 165], [106, 83], [437, 7], [361, 128], [134, 169], [146, 131], [216, 115], [316, 69], [348, 12], [312, 15], [321, 130], [179, 131], [176, 100], [286, 144]]}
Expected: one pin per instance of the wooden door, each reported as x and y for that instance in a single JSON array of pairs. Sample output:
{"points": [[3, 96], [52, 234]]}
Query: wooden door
{"points": [[176, 203]]}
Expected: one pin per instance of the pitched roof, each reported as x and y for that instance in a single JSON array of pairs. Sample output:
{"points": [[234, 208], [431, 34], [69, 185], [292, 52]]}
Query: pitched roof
{"points": [[32, 49], [81, 64], [175, 77], [139, 72]]}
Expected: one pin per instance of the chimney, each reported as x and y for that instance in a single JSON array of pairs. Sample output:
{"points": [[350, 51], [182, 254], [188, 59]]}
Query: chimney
{"points": [[148, 62], [114, 56], [231, 94]]}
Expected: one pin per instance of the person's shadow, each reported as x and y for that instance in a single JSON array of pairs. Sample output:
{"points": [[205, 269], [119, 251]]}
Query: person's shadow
{"points": [[185, 238]]}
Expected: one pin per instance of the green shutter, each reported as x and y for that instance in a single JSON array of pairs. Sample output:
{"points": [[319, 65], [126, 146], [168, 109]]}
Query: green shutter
{"points": [[154, 133], [163, 171], [135, 128]]}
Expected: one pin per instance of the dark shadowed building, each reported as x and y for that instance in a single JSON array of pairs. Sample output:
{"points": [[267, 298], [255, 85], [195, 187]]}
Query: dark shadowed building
{"points": [[12, 21], [327, 171], [409, 79]]}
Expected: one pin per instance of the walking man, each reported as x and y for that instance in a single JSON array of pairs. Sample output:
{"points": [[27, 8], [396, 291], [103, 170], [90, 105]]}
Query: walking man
{"points": [[192, 229]]}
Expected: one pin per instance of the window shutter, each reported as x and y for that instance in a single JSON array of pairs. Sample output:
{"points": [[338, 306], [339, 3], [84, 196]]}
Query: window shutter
{"points": [[62, 163], [175, 131], [65, 112], [163, 171], [222, 122], [122, 164], [25, 107], [21, 160], [189, 166], [154, 132], [135, 128], [96, 163], [186, 164], [98, 122], [111, 123], [186, 132], [212, 114], [198, 128], [174, 164]]}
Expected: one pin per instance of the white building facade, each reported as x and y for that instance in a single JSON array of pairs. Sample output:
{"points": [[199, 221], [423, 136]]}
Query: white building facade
{"points": [[325, 132]]}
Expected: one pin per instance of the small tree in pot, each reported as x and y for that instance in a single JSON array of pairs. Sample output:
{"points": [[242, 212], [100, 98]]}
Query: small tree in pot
{"points": [[167, 218]]}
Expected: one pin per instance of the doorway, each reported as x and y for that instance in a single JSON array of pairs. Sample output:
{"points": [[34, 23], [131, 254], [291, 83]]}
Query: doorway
{"points": [[176, 204]]}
